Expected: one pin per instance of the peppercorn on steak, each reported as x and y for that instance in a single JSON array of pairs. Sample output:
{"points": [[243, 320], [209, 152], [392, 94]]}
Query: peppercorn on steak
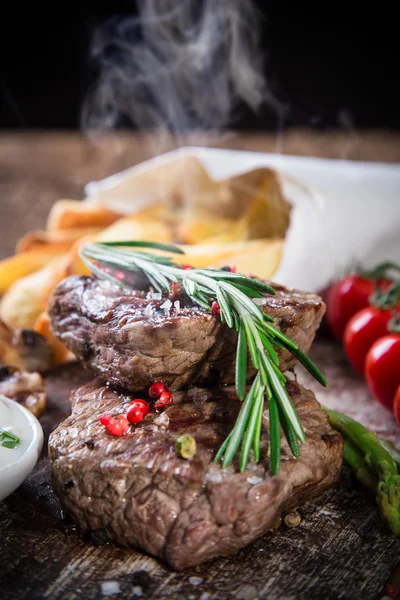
{"points": [[138, 490], [131, 338]]}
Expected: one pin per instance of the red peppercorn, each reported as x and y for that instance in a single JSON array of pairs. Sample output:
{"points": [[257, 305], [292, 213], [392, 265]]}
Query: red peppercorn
{"points": [[166, 399], [135, 413], [156, 389], [176, 291], [215, 308], [391, 591], [105, 419], [117, 426], [233, 269], [186, 267], [144, 406]]}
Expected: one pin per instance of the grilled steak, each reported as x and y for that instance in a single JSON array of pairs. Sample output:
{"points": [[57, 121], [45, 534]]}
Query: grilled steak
{"points": [[137, 491], [131, 339]]}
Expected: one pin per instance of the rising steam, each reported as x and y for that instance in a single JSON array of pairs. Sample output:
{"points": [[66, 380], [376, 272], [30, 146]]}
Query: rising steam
{"points": [[179, 66]]}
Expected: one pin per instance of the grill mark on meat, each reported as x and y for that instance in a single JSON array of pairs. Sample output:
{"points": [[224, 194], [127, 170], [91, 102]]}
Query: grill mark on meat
{"points": [[139, 491], [109, 330]]}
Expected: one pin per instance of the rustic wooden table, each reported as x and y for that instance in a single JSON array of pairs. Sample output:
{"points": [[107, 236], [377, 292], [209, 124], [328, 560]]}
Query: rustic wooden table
{"points": [[340, 550]]}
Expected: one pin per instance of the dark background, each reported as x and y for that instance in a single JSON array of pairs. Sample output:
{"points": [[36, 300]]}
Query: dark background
{"points": [[335, 66]]}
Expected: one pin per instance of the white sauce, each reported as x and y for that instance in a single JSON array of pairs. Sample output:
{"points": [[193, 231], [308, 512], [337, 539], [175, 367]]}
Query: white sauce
{"points": [[13, 420]]}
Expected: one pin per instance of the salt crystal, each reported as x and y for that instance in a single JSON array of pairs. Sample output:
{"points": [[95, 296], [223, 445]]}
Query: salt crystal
{"points": [[109, 588], [195, 580], [177, 305], [214, 477], [137, 591], [204, 596], [162, 420], [154, 295], [73, 432], [254, 480], [148, 310], [166, 305]]}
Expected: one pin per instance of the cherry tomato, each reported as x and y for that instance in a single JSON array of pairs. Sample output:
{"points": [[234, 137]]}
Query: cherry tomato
{"points": [[363, 329], [396, 406], [382, 369], [346, 297]]}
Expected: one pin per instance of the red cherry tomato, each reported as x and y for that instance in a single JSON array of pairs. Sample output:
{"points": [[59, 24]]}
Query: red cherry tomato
{"points": [[382, 369], [363, 329], [346, 297], [396, 406]]}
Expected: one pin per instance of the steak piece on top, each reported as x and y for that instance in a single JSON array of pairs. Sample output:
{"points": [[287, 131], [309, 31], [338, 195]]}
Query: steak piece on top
{"points": [[141, 493], [128, 339]]}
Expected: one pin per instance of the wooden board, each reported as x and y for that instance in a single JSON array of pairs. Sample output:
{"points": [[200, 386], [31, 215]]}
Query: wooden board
{"points": [[340, 550]]}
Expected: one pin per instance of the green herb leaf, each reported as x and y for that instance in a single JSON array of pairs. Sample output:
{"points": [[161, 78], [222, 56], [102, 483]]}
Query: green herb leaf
{"points": [[241, 364]]}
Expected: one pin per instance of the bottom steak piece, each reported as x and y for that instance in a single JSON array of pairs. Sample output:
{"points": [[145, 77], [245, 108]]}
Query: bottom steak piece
{"points": [[142, 493]]}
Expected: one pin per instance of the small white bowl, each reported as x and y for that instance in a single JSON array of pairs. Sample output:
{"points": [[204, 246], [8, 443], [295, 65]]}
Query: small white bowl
{"points": [[13, 474]]}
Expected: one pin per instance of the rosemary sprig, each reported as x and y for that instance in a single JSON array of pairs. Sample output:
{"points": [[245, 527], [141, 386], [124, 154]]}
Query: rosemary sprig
{"points": [[257, 336]]}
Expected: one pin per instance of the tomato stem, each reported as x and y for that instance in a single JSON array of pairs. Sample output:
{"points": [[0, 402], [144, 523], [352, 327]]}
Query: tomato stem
{"points": [[380, 271], [387, 299]]}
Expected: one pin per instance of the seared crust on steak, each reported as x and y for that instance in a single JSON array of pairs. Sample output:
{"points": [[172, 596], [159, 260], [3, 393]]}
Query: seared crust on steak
{"points": [[127, 339], [143, 494]]}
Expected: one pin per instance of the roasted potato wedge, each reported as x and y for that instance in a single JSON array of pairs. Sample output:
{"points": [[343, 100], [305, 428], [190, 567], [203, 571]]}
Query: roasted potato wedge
{"points": [[61, 354], [53, 241], [27, 297], [256, 257], [14, 268], [74, 214]]}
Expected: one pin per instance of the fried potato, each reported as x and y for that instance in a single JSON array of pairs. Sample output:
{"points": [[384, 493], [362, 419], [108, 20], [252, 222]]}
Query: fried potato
{"points": [[74, 214], [57, 241], [256, 257], [203, 229], [135, 227], [25, 263], [61, 354], [27, 297], [256, 197]]}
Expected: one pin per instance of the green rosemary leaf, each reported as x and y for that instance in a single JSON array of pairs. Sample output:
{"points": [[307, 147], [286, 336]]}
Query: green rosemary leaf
{"points": [[139, 244], [251, 343], [221, 451], [239, 428], [241, 364], [275, 333], [236, 319], [266, 317], [241, 300], [290, 435], [282, 397], [248, 291], [309, 365], [268, 346], [257, 435], [274, 436], [279, 373], [251, 427], [254, 284], [224, 306], [100, 274]]}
